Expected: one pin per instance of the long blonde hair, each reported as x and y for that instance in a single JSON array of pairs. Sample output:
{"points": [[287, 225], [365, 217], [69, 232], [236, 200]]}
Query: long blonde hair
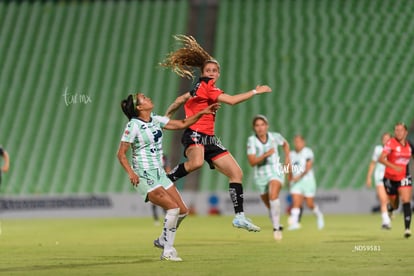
{"points": [[191, 55]]}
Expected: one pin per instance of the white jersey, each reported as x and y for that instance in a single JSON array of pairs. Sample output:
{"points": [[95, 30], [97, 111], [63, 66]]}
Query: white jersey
{"points": [[299, 160], [379, 168], [271, 163], [146, 142]]}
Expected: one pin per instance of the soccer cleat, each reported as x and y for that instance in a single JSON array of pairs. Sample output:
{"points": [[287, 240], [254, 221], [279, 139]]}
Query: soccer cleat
{"points": [[158, 244], [320, 222], [386, 226], [277, 234], [240, 221], [407, 233], [294, 226], [171, 256]]}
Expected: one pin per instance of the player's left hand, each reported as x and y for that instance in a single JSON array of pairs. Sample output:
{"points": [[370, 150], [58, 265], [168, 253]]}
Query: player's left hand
{"points": [[263, 89], [211, 109]]}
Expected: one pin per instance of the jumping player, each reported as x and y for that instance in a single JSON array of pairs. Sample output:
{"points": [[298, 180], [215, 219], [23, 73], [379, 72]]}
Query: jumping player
{"points": [[199, 140], [263, 155], [144, 134], [397, 180]]}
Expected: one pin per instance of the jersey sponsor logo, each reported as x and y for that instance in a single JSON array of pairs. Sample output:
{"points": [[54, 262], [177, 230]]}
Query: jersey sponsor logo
{"points": [[157, 135], [154, 150]]}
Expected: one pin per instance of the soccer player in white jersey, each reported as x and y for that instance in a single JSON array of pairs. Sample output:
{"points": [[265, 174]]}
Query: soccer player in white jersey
{"points": [[379, 169], [262, 153], [302, 183], [144, 134]]}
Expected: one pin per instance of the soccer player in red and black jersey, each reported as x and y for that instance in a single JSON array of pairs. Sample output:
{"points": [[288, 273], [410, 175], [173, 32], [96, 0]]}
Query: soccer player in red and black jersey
{"points": [[397, 180], [199, 140]]}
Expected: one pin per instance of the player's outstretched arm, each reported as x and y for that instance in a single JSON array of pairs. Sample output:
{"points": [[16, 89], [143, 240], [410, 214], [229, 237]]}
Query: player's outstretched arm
{"points": [[238, 98], [181, 124], [180, 100]]}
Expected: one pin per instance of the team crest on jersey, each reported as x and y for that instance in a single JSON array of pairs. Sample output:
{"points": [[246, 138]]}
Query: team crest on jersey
{"points": [[398, 149], [195, 137], [126, 132]]}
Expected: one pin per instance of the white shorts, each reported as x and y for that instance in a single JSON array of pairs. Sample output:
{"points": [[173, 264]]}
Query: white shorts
{"points": [[262, 183], [305, 187], [151, 180], [379, 178]]}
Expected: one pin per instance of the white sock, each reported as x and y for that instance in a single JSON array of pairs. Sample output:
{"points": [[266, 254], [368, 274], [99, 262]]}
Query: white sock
{"points": [[275, 213], [316, 211], [385, 218], [294, 216], [170, 226], [181, 218]]}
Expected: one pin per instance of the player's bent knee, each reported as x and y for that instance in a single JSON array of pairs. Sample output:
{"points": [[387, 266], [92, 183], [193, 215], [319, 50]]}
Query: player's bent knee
{"points": [[184, 210], [173, 211], [195, 164]]}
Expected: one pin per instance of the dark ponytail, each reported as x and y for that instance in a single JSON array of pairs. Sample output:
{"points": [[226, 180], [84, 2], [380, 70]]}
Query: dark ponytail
{"points": [[128, 107]]}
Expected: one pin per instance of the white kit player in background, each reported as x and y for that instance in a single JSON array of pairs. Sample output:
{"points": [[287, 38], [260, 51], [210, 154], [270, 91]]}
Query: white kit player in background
{"points": [[378, 170], [269, 174], [302, 183]]}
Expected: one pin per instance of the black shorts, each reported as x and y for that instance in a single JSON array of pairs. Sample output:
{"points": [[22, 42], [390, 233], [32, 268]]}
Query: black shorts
{"points": [[391, 186], [213, 148]]}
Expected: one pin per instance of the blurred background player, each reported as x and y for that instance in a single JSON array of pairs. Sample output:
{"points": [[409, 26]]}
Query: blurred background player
{"points": [[378, 170], [199, 140], [263, 155], [6, 163], [396, 156], [302, 183], [167, 167], [143, 133]]}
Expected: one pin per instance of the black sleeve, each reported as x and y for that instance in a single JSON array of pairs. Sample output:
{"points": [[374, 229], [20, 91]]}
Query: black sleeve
{"points": [[1, 151], [195, 88], [193, 91]]}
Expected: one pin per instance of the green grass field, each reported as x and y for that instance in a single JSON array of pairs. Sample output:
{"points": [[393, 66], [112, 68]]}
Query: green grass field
{"points": [[349, 244]]}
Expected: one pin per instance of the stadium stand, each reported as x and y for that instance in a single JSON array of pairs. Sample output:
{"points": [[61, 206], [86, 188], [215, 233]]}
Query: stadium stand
{"points": [[95, 52], [340, 71]]}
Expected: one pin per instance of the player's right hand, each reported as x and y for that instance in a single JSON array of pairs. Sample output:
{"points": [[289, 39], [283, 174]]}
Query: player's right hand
{"points": [[263, 89], [134, 178]]}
